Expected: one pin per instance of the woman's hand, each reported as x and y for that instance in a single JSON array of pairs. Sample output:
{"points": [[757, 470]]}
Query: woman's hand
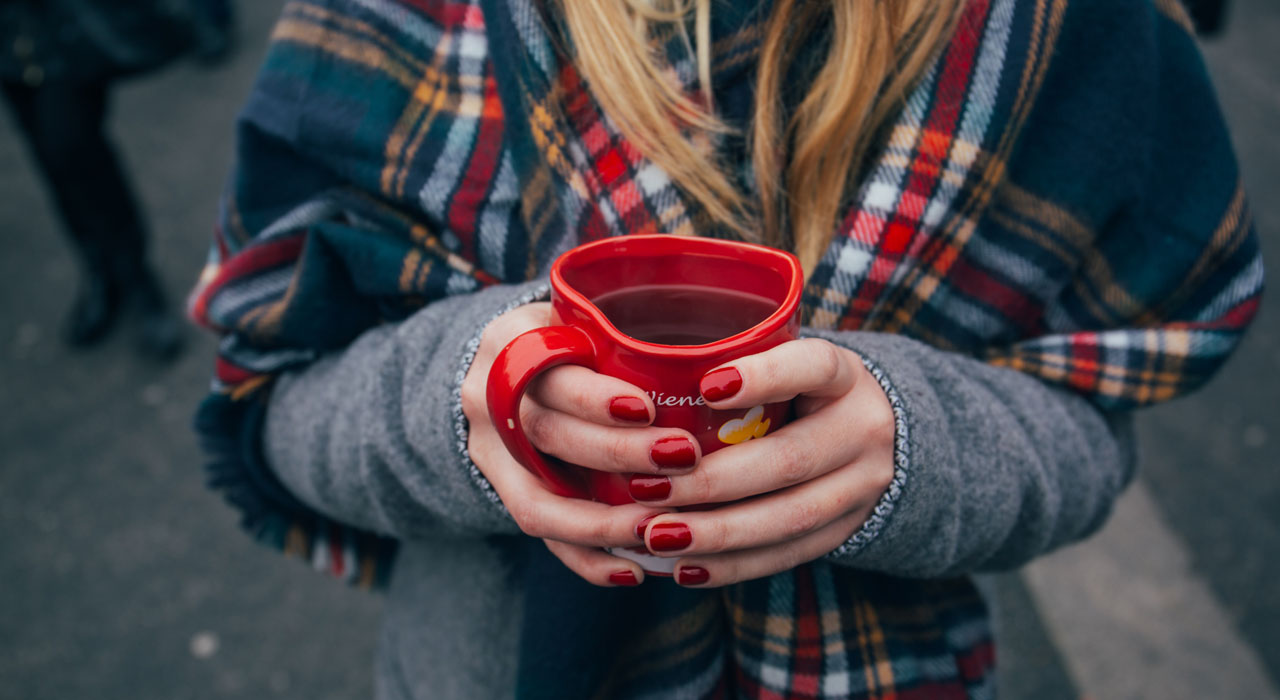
{"points": [[583, 418], [795, 494]]}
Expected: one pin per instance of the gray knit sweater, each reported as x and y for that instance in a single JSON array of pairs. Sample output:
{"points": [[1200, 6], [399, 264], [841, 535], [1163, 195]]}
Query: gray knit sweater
{"points": [[994, 468]]}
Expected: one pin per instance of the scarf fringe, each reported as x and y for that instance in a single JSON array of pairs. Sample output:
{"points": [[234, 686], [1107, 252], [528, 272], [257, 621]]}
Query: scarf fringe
{"points": [[230, 434]]}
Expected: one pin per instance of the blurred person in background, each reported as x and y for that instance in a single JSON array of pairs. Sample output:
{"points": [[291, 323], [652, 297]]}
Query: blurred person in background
{"points": [[58, 62], [213, 22]]}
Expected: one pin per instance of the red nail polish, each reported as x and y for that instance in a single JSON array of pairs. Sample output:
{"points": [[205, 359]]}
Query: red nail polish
{"points": [[629, 409], [673, 453], [692, 575], [649, 488], [720, 384], [642, 525], [623, 578], [669, 537]]}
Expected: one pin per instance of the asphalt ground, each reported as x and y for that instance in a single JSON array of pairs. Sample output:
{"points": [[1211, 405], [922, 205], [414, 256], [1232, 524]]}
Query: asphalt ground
{"points": [[123, 577]]}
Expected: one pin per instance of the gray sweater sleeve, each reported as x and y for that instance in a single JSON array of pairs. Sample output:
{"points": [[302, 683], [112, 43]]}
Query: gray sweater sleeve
{"points": [[374, 435], [994, 467]]}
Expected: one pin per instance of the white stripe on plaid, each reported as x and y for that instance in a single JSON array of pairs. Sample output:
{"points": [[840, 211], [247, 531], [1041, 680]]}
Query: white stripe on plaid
{"points": [[835, 672], [1241, 287], [412, 24], [460, 142], [851, 252], [496, 217]]}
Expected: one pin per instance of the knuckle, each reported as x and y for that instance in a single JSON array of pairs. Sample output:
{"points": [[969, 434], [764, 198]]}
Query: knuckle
{"points": [[539, 427], [828, 361], [699, 484], [803, 519], [601, 532], [882, 422], [474, 404], [478, 450], [713, 536], [792, 557], [727, 573], [793, 461], [771, 370], [528, 518], [618, 449]]}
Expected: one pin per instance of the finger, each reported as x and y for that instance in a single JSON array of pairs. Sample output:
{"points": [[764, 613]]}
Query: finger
{"points": [[539, 512], [591, 396], [799, 451], [503, 329], [610, 449], [777, 518], [596, 566], [710, 571], [809, 366]]}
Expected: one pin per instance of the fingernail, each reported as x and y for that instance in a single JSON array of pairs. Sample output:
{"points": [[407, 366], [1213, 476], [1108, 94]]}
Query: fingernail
{"points": [[649, 488], [643, 524], [673, 453], [670, 537], [624, 578], [692, 575], [629, 409], [720, 384]]}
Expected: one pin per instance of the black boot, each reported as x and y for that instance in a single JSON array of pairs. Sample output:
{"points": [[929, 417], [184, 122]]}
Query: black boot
{"points": [[159, 330], [94, 310]]}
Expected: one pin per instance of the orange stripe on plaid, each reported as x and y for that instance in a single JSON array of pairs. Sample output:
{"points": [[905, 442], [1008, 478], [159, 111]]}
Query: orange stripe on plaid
{"points": [[1105, 298], [675, 641], [360, 28], [343, 46], [408, 271], [1231, 233], [427, 100]]}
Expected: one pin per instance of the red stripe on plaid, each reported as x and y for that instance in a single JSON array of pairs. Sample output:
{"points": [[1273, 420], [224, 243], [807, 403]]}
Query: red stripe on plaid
{"points": [[1084, 361], [806, 652], [245, 264], [473, 191], [953, 690], [232, 374], [615, 161], [219, 239], [976, 663], [1017, 308], [447, 13], [611, 166], [1240, 315], [337, 563]]}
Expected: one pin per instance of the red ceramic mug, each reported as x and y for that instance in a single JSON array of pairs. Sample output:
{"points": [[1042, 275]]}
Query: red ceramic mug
{"points": [[658, 311]]}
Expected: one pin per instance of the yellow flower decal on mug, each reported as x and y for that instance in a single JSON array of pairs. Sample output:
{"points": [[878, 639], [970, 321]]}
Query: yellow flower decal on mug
{"points": [[752, 425]]}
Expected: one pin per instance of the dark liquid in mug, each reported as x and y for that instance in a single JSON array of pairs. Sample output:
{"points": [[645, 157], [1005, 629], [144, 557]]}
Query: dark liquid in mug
{"points": [[683, 314]]}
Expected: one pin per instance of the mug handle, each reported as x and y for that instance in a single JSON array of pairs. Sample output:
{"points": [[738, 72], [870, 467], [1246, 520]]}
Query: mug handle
{"points": [[524, 358]]}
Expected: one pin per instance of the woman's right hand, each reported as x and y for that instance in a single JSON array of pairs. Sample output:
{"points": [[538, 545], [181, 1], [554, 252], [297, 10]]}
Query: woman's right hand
{"points": [[583, 418]]}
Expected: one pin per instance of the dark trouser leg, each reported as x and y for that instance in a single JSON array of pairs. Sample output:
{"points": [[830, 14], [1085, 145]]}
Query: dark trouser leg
{"points": [[64, 123]]}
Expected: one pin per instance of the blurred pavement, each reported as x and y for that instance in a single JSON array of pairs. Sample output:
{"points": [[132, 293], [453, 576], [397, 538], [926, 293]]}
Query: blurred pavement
{"points": [[124, 578]]}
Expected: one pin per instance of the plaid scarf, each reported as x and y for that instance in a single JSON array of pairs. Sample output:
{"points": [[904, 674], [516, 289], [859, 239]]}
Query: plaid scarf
{"points": [[1041, 202]]}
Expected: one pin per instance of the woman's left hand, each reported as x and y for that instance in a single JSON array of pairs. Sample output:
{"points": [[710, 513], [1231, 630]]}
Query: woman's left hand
{"points": [[795, 494]]}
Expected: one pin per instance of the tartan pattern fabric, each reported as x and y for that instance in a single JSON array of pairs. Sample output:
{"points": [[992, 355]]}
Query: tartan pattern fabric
{"points": [[394, 153]]}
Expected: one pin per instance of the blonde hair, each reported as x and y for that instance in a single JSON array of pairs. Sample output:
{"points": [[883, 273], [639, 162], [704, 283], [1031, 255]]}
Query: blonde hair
{"points": [[803, 168]]}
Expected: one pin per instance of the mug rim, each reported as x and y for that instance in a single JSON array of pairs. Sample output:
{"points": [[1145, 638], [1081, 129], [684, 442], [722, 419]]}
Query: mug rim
{"points": [[662, 243]]}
